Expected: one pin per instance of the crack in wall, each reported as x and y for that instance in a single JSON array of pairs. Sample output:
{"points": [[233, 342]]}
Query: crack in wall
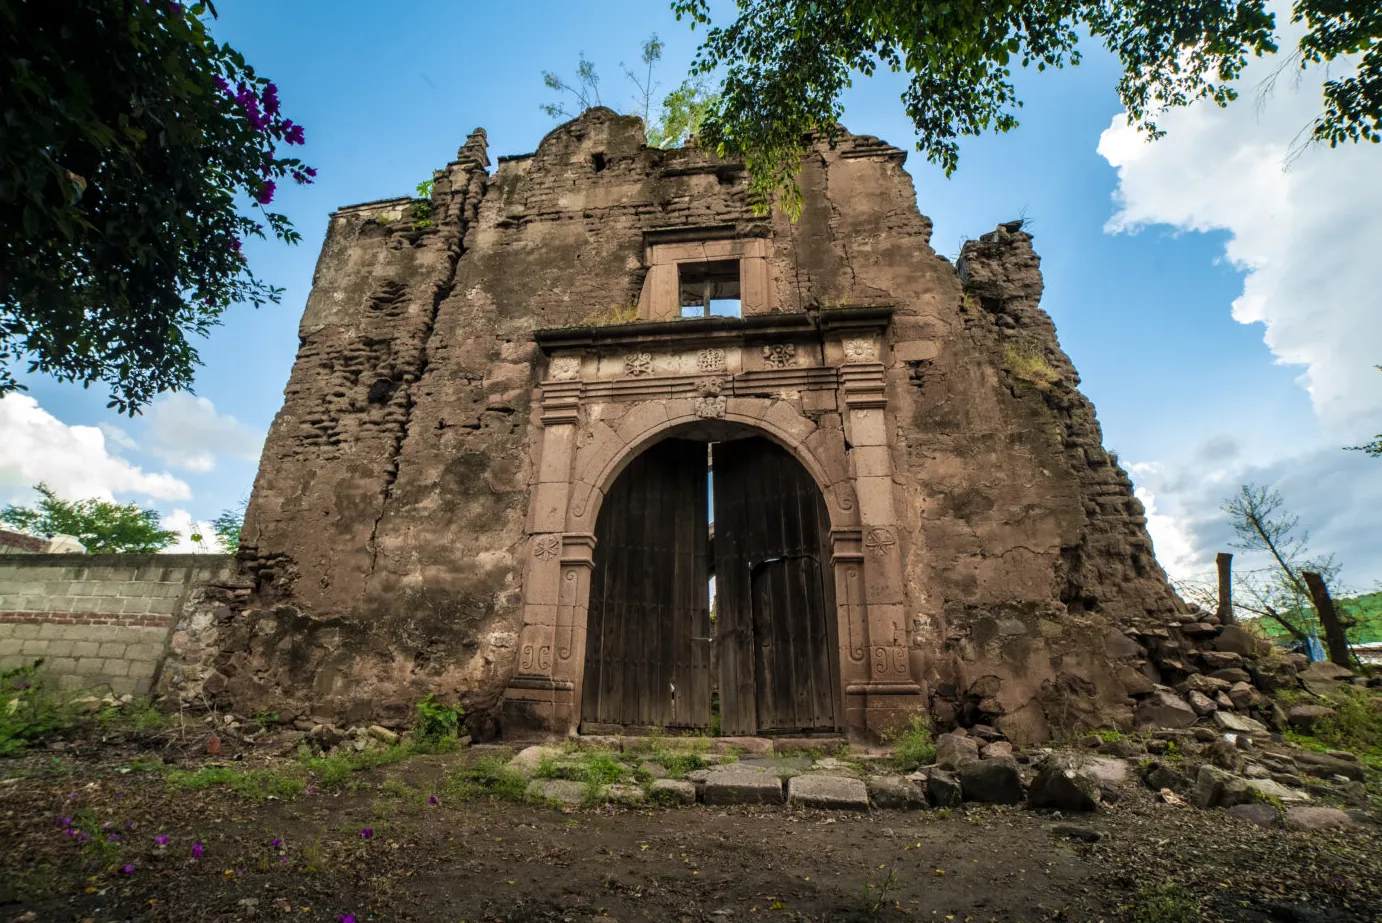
{"points": [[455, 244]]}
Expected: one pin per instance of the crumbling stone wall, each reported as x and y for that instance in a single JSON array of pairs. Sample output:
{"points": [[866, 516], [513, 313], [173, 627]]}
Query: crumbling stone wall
{"points": [[394, 499]]}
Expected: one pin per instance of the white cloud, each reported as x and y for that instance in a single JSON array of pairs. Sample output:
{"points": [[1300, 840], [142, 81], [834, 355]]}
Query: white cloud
{"points": [[187, 432], [74, 460], [181, 522], [117, 435], [1305, 231], [1336, 494]]}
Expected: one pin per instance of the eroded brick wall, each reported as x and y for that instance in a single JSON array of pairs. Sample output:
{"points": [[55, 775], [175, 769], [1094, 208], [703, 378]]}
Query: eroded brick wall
{"points": [[98, 622]]}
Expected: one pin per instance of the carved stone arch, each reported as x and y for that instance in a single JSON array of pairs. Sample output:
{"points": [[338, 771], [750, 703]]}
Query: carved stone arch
{"points": [[595, 472]]}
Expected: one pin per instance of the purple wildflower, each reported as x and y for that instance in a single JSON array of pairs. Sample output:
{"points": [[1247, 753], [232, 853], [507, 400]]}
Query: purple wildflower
{"points": [[367, 833], [82, 838], [347, 918], [265, 195], [433, 800], [161, 839], [70, 831], [197, 850], [283, 859], [128, 870], [65, 821], [113, 838], [275, 843]]}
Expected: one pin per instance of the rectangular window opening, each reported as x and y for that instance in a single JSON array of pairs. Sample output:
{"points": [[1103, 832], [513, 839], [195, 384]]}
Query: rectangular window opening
{"points": [[709, 289]]}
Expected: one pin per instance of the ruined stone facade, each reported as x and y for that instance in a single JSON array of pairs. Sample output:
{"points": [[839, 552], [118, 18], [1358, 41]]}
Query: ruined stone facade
{"points": [[469, 387]]}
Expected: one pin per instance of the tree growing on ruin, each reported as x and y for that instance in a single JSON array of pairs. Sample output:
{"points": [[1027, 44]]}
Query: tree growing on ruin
{"points": [[786, 63], [102, 526], [676, 119], [137, 154]]}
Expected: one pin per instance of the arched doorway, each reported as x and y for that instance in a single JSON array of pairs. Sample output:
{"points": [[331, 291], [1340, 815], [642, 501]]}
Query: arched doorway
{"points": [[650, 627]]}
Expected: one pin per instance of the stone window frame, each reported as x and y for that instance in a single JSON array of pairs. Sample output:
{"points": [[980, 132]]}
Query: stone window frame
{"points": [[665, 251]]}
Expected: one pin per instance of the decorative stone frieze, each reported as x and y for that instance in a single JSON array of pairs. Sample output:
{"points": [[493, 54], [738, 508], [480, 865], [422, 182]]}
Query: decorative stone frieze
{"points": [[780, 355], [638, 364]]}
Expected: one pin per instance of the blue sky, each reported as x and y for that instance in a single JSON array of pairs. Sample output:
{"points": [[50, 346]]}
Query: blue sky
{"points": [[1145, 250]]}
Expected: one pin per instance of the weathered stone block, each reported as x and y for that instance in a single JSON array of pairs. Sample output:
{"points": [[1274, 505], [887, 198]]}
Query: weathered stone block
{"points": [[738, 785], [820, 790]]}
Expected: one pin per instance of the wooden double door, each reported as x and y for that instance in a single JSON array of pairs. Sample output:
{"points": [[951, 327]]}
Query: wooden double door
{"points": [[650, 629]]}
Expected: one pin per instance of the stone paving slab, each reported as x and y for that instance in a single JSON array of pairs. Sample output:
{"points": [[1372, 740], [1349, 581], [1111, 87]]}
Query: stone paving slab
{"points": [[819, 790], [746, 785]]}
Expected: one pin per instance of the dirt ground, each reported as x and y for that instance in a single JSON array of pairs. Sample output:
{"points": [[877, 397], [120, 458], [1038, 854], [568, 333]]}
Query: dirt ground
{"points": [[379, 849]]}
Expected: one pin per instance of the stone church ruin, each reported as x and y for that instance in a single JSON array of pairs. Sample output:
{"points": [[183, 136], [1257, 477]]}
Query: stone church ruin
{"points": [[524, 435]]}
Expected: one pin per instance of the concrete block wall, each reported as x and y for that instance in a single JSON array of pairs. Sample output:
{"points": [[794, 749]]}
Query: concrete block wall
{"points": [[99, 622]]}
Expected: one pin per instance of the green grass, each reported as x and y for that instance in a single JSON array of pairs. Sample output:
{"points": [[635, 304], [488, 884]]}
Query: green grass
{"points": [[1356, 726], [915, 747], [259, 784], [489, 777], [31, 710]]}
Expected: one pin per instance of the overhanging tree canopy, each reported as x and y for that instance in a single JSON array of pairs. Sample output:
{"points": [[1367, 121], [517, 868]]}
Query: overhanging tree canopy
{"points": [[136, 155], [787, 62]]}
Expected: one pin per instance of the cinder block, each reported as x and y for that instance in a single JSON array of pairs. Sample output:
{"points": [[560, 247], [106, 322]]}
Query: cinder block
{"points": [[60, 648], [71, 681], [115, 667], [112, 605], [85, 604], [113, 649], [80, 588], [13, 645], [142, 668], [52, 588], [144, 651], [7, 629], [164, 606], [121, 685], [127, 635], [61, 665], [50, 630], [26, 630], [12, 661], [88, 666], [37, 647], [135, 605], [87, 649]]}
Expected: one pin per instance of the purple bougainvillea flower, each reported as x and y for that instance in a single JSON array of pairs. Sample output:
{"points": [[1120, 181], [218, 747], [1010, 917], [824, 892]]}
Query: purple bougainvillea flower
{"points": [[283, 859], [128, 870], [161, 839], [275, 843], [432, 800], [292, 133], [367, 833], [347, 918], [271, 99], [65, 821], [197, 850], [265, 195], [82, 838], [70, 831]]}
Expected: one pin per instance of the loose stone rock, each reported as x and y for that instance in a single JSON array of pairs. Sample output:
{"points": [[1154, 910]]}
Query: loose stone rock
{"points": [[1263, 815], [943, 789], [998, 750], [895, 792], [817, 790], [673, 791], [1304, 717], [1202, 703], [1278, 791], [1062, 784], [991, 782], [1316, 819], [1165, 709], [954, 750], [1241, 724], [624, 794], [526, 761]]}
